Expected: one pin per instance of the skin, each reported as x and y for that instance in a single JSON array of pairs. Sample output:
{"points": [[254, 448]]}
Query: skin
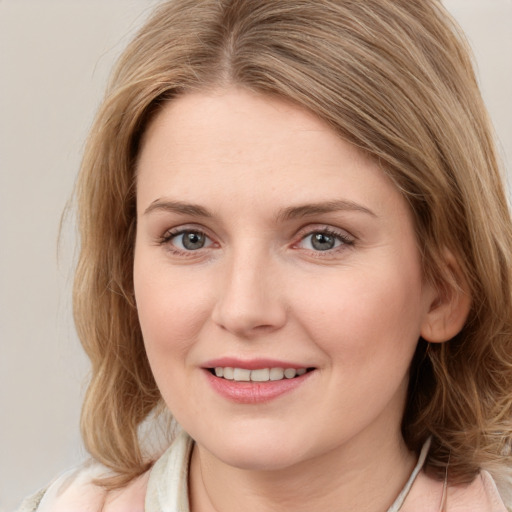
{"points": [[260, 288]]}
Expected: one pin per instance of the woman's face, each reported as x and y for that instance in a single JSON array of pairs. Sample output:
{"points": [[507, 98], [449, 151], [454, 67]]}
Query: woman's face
{"points": [[267, 247]]}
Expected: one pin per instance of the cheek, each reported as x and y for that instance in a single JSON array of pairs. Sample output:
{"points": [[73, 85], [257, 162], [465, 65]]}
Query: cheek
{"points": [[171, 315], [369, 316], [171, 308]]}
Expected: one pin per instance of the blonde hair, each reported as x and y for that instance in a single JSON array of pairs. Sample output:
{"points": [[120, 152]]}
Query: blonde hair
{"points": [[393, 77]]}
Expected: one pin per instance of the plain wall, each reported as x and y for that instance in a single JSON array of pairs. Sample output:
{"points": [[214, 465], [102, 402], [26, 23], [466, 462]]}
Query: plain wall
{"points": [[54, 61]]}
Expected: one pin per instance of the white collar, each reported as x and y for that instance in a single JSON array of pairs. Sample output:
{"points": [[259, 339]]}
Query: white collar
{"points": [[167, 489]]}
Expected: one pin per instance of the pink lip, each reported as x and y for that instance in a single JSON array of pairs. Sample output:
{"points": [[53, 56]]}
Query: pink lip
{"points": [[253, 392], [252, 364]]}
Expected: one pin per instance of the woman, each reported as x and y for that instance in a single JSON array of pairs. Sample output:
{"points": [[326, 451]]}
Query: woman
{"points": [[295, 239]]}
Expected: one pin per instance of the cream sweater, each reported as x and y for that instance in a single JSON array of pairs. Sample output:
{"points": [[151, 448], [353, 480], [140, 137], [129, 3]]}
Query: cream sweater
{"points": [[164, 489]]}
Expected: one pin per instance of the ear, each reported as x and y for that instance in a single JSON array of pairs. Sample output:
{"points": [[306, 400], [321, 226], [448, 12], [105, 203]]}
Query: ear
{"points": [[450, 304]]}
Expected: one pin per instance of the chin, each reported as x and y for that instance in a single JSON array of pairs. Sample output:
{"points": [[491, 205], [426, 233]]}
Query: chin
{"points": [[255, 453], [256, 460]]}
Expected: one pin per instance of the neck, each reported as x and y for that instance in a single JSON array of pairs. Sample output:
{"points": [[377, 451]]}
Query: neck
{"points": [[365, 474]]}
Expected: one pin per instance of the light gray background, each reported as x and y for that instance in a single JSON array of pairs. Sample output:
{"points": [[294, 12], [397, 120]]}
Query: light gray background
{"points": [[54, 61]]}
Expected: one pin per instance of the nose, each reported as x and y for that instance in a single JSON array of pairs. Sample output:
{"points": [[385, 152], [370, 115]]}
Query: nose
{"points": [[250, 300]]}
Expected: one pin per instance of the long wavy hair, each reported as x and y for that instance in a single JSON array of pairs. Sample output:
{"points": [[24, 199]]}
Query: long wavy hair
{"points": [[393, 77]]}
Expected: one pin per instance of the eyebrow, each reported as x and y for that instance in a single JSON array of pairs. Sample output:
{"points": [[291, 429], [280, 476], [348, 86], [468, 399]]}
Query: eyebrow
{"points": [[291, 212], [194, 210], [308, 210]]}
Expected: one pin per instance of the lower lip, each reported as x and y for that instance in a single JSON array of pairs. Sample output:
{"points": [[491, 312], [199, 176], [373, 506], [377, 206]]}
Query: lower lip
{"points": [[254, 392]]}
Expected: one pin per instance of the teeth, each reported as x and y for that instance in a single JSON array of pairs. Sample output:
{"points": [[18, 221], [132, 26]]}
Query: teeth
{"points": [[289, 373], [276, 374], [259, 375], [240, 374], [228, 373]]}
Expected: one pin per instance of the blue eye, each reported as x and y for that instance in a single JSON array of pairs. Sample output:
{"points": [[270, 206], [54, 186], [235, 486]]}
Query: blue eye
{"points": [[189, 240], [324, 241]]}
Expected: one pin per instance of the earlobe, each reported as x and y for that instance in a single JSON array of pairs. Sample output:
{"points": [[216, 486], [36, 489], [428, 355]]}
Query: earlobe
{"points": [[450, 306]]}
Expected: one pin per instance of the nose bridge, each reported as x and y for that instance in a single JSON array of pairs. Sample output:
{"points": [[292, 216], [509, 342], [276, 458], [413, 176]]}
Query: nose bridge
{"points": [[250, 300]]}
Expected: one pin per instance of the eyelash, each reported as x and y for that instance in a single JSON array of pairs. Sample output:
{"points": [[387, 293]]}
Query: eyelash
{"points": [[168, 236], [344, 238]]}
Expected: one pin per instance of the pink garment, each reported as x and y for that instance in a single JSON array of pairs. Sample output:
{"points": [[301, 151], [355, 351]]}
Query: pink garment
{"points": [[164, 489], [76, 492], [427, 495]]}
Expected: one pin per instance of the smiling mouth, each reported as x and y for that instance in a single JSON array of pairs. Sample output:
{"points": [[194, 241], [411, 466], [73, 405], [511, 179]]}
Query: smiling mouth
{"points": [[258, 375]]}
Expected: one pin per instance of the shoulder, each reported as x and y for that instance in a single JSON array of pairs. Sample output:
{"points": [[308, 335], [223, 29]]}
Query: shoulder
{"points": [[481, 491], [430, 495], [76, 490]]}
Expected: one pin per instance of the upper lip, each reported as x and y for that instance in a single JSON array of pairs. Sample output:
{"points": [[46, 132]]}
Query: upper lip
{"points": [[252, 364]]}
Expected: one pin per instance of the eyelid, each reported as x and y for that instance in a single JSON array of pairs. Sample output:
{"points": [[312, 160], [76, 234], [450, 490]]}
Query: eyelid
{"points": [[171, 233], [182, 228], [324, 228], [345, 236]]}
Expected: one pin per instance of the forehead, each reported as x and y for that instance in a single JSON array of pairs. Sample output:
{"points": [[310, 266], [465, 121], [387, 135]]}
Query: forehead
{"points": [[221, 120], [228, 144]]}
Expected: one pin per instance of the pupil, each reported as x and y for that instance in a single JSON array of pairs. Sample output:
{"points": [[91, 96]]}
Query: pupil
{"points": [[193, 240], [322, 242]]}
